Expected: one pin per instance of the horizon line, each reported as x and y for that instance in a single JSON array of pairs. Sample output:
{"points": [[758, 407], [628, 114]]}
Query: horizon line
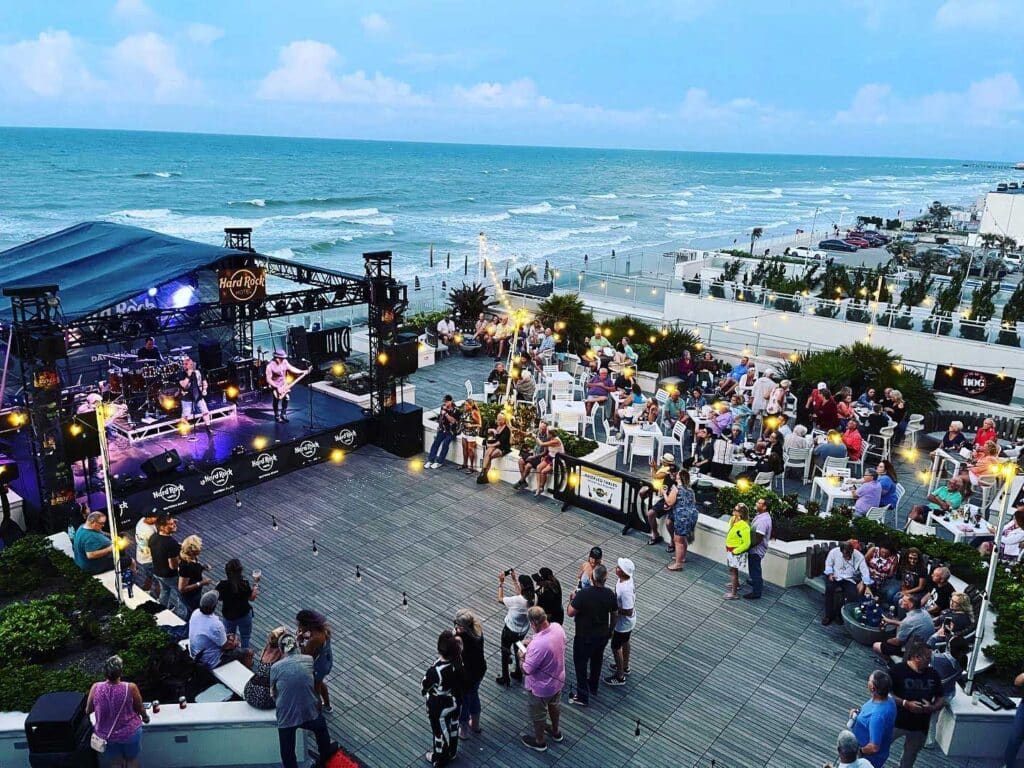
{"points": [[996, 164]]}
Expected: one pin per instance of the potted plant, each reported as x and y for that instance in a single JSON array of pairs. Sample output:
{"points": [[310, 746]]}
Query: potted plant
{"points": [[468, 301]]}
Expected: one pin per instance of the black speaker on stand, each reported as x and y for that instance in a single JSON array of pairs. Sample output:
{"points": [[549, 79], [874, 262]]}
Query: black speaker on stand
{"points": [[58, 731], [298, 344], [161, 464]]}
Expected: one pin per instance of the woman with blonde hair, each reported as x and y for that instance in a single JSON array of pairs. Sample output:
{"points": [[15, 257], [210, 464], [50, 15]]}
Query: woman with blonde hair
{"points": [[472, 423], [737, 543], [499, 442], [469, 631], [257, 690], [190, 573]]}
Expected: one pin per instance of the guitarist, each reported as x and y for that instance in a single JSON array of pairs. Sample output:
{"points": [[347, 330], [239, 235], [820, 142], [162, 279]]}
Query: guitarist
{"points": [[193, 394], [277, 377]]}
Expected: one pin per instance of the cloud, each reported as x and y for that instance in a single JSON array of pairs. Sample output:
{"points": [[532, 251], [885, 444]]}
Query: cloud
{"points": [[49, 66], [699, 106], [988, 101], [305, 72], [133, 12], [958, 14], [146, 64], [517, 94], [204, 34], [375, 24]]}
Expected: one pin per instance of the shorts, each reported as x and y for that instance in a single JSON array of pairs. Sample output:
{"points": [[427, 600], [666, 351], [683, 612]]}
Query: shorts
{"points": [[187, 407], [539, 706], [736, 561], [126, 750], [619, 639], [534, 461]]}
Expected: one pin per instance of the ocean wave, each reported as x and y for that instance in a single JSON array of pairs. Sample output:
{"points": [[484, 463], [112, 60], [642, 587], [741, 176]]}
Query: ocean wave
{"points": [[156, 175], [569, 207], [257, 202], [613, 217], [762, 194], [282, 202], [335, 213], [282, 253], [563, 234], [608, 196], [776, 224], [681, 203], [149, 214], [688, 192], [477, 218], [531, 209]]}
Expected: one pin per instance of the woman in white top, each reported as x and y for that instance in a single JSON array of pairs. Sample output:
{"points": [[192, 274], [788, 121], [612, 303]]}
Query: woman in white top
{"points": [[516, 622], [1012, 536]]}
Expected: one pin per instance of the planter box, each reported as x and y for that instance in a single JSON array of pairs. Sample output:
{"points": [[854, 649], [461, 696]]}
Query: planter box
{"points": [[407, 394], [648, 381], [971, 730]]}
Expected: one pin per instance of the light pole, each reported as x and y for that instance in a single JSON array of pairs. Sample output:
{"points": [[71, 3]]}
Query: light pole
{"points": [[814, 221], [1008, 470]]}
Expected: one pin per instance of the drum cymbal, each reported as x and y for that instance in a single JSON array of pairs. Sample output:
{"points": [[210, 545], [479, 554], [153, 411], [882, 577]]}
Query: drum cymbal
{"points": [[179, 350], [127, 356]]}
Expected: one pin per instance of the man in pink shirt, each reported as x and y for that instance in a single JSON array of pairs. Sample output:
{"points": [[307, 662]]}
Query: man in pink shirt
{"points": [[544, 667]]}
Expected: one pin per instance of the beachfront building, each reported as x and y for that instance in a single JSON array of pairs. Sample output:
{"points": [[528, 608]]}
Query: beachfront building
{"points": [[1003, 214]]}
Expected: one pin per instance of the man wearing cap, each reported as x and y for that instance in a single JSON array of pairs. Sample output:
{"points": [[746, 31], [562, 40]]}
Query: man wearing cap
{"points": [[595, 610], [816, 399], [277, 377], [667, 468], [625, 620]]}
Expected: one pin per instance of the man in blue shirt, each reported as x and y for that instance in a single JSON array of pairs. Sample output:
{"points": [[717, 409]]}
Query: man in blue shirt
{"points": [[93, 548], [873, 724]]}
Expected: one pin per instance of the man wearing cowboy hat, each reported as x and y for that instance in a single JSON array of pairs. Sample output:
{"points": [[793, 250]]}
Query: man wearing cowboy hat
{"points": [[277, 377]]}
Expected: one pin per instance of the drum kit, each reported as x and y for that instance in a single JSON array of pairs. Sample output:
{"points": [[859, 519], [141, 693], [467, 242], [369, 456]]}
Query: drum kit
{"points": [[143, 385]]}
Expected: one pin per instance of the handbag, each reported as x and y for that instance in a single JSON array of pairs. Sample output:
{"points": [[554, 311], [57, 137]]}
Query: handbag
{"points": [[97, 742]]}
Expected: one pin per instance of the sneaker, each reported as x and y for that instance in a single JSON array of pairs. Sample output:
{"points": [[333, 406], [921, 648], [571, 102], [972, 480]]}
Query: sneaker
{"points": [[578, 701], [532, 743], [463, 732], [751, 596], [503, 681], [613, 667], [327, 709], [520, 485], [517, 676], [555, 737], [614, 680]]}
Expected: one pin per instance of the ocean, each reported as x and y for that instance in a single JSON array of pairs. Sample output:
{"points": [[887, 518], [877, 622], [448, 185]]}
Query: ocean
{"points": [[328, 201]]}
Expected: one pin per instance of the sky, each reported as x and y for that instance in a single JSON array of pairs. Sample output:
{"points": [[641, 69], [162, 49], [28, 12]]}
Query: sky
{"points": [[918, 78]]}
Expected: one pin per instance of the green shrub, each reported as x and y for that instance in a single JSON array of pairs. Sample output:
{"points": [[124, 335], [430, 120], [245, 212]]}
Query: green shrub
{"points": [[34, 630], [24, 565], [22, 684], [136, 637], [423, 320]]}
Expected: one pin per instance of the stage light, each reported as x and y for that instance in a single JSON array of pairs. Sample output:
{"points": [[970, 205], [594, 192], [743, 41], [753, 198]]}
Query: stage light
{"points": [[607, 331], [664, 331], [337, 455], [560, 325], [259, 443], [16, 419], [337, 369], [184, 427], [151, 292], [382, 358], [182, 297], [231, 392], [167, 403], [75, 430], [493, 475], [416, 465]]}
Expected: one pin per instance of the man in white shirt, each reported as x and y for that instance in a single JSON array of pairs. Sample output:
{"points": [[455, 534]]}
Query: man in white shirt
{"points": [[208, 642], [446, 331], [625, 596], [761, 390], [145, 528], [847, 750], [846, 577]]}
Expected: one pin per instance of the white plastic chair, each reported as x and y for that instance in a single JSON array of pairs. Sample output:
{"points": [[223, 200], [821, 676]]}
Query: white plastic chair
{"points": [[661, 396], [989, 489], [796, 458], [878, 514], [831, 462], [590, 422], [479, 397], [607, 429], [675, 440], [642, 444], [568, 421], [915, 424], [915, 528], [764, 478]]}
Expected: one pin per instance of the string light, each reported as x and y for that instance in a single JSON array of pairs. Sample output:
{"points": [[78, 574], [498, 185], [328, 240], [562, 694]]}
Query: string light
{"points": [[416, 465], [405, 601], [259, 443], [359, 575], [273, 522], [75, 429], [316, 549], [238, 501], [337, 455]]}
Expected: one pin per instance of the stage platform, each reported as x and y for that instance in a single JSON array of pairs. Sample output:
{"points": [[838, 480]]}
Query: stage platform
{"points": [[144, 429]]}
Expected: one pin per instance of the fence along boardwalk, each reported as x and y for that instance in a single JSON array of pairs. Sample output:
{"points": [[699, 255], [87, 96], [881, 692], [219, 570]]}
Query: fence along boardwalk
{"points": [[742, 683]]}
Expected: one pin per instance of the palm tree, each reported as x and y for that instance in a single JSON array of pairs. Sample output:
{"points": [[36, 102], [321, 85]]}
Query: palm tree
{"points": [[755, 235], [525, 275]]}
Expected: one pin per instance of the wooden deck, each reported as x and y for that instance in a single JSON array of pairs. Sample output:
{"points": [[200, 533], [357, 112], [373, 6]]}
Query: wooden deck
{"points": [[738, 683]]}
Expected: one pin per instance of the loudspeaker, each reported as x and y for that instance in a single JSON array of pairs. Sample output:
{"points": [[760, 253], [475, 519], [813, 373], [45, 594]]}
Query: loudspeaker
{"points": [[81, 440], [8, 471], [209, 355], [403, 358], [401, 430], [57, 724], [51, 347], [161, 464], [298, 345]]}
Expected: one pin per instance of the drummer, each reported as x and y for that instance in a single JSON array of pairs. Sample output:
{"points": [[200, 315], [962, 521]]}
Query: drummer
{"points": [[149, 351]]}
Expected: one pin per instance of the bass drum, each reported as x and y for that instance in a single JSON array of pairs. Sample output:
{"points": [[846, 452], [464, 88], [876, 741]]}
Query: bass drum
{"points": [[114, 382]]}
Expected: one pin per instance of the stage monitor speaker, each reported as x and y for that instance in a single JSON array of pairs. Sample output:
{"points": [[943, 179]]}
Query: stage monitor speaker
{"points": [[401, 430], [209, 355], [403, 358], [8, 471], [316, 342], [161, 464], [51, 347], [298, 345], [81, 440], [57, 723]]}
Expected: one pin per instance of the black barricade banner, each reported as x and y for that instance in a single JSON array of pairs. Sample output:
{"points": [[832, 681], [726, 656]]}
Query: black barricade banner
{"points": [[977, 385]]}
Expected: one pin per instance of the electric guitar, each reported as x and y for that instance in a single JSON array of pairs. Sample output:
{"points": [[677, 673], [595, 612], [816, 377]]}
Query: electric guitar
{"points": [[284, 389]]}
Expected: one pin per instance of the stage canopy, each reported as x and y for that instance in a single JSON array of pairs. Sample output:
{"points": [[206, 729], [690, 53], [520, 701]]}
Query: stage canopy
{"points": [[98, 264]]}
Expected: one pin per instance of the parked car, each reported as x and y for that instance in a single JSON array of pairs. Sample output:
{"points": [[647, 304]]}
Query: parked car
{"points": [[803, 252], [907, 237], [833, 244], [860, 242], [950, 250], [876, 239], [1012, 261]]}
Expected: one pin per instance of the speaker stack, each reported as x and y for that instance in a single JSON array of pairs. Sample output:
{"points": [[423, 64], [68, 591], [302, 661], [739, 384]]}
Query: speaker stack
{"points": [[402, 430], [58, 732]]}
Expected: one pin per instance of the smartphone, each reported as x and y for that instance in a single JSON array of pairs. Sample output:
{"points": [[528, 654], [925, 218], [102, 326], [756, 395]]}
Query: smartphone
{"points": [[521, 647]]}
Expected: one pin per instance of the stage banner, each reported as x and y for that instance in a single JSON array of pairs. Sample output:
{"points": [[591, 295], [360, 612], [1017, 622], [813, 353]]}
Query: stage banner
{"points": [[977, 385], [242, 285], [601, 487], [181, 490]]}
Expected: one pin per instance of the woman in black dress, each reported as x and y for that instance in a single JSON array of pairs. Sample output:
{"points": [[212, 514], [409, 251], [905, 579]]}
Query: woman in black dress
{"points": [[469, 631], [549, 595], [442, 688], [498, 443], [237, 595]]}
